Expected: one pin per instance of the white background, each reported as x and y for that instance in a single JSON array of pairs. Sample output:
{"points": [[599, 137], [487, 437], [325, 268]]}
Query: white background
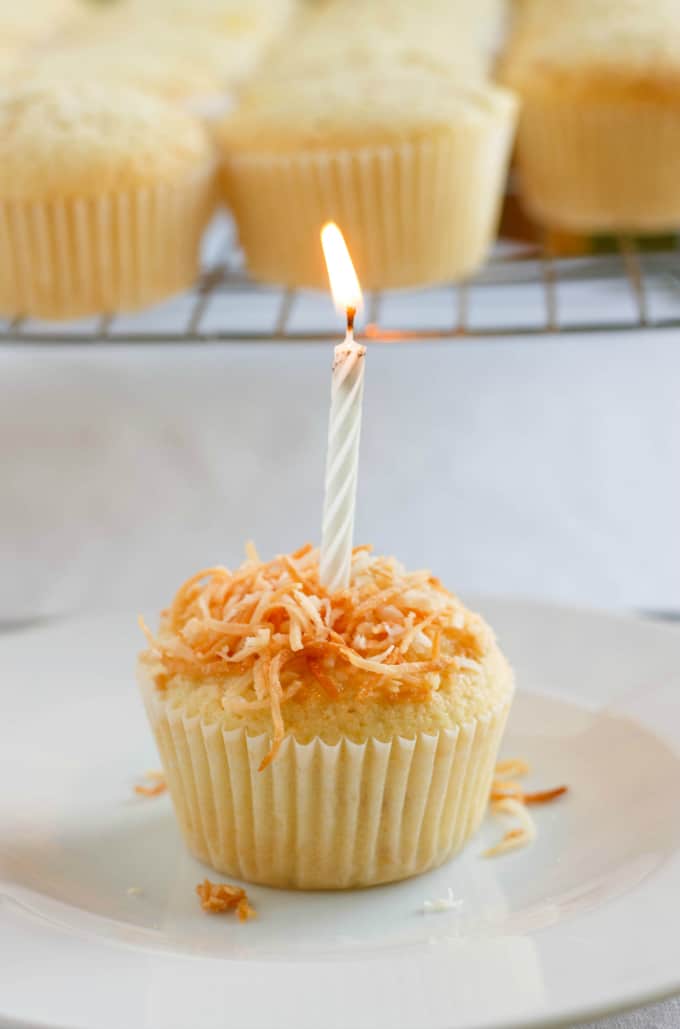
{"points": [[544, 466]]}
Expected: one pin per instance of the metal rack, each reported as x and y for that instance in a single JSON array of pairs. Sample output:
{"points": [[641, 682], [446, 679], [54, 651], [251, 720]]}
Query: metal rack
{"points": [[523, 290]]}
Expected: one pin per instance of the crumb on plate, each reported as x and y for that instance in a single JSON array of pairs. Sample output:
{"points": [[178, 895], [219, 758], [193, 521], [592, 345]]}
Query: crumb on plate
{"points": [[219, 897], [447, 903], [508, 798], [154, 788]]}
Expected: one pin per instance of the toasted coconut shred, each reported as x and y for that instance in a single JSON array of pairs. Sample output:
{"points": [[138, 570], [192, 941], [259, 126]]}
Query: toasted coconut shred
{"points": [[157, 785], [217, 898], [508, 798], [272, 632]]}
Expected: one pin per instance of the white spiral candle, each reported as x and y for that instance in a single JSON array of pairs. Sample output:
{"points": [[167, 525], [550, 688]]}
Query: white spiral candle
{"points": [[342, 461], [344, 427]]}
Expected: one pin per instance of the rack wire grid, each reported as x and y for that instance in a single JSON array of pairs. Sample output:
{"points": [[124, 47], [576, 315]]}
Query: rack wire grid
{"points": [[523, 290]]}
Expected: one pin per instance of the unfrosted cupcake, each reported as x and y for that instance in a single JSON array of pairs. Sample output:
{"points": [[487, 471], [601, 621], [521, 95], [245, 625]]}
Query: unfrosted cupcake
{"points": [[104, 195], [179, 70], [445, 34], [317, 741], [34, 22], [409, 161], [194, 53], [12, 62], [599, 134]]}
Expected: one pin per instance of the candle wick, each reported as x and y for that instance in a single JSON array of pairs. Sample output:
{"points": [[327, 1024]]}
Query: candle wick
{"points": [[351, 312]]}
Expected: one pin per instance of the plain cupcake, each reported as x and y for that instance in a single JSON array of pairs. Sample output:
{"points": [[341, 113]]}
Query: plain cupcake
{"points": [[409, 161], [104, 195], [197, 54], [35, 22], [599, 133], [189, 72], [316, 741], [352, 34]]}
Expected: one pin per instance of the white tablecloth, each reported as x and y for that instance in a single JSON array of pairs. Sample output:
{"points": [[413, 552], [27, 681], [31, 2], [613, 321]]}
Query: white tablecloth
{"points": [[542, 467]]}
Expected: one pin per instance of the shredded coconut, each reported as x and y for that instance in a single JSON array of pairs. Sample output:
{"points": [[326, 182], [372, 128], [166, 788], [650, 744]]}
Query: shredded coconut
{"points": [[157, 786], [275, 624], [508, 798], [219, 897], [447, 903], [511, 767], [515, 838]]}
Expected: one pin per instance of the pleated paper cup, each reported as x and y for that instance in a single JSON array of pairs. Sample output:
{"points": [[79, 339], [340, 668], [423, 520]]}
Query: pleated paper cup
{"points": [[72, 256], [323, 816], [415, 213], [601, 167]]}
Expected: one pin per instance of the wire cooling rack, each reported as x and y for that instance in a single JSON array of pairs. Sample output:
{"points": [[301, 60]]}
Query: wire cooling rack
{"points": [[523, 290]]}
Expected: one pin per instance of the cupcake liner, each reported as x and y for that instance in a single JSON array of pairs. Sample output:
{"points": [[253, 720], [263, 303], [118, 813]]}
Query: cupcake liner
{"points": [[600, 167], [323, 816], [73, 256], [414, 213]]}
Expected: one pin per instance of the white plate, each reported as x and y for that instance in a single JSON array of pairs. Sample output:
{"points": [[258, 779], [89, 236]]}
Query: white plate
{"points": [[584, 922]]}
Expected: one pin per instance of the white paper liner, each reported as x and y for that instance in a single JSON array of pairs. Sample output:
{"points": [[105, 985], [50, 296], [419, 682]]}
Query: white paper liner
{"points": [[324, 816], [74, 256], [595, 167], [412, 214]]}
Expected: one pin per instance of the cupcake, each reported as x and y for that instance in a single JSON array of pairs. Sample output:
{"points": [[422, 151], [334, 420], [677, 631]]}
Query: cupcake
{"points": [[181, 71], [190, 53], [34, 22], [222, 17], [442, 33], [319, 741], [599, 133], [12, 62], [408, 160], [104, 195]]}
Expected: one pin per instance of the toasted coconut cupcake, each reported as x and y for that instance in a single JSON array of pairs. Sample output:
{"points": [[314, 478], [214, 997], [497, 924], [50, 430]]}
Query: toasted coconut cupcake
{"points": [[324, 741]]}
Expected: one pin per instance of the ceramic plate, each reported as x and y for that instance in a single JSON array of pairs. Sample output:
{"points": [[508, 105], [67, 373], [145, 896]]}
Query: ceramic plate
{"points": [[100, 926]]}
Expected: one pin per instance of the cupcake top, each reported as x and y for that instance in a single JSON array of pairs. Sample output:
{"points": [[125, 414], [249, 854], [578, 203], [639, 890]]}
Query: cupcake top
{"points": [[222, 17], [267, 649], [77, 139], [176, 75], [12, 61], [444, 34], [175, 48], [153, 51], [353, 106], [25, 22], [609, 39]]}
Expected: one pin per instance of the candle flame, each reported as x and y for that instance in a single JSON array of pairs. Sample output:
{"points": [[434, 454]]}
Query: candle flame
{"points": [[343, 278]]}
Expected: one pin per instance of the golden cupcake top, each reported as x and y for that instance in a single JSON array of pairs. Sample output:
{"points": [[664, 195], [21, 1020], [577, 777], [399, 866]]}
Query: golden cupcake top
{"points": [[175, 48], [25, 22], [12, 61], [172, 71], [156, 53], [594, 44], [269, 648], [444, 34], [85, 139], [351, 106], [225, 18]]}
